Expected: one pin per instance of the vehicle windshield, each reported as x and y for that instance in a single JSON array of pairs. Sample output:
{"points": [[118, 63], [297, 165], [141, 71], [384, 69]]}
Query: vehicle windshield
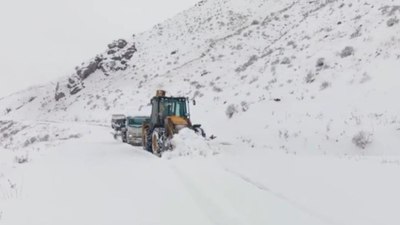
{"points": [[120, 121], [173, 107], [138, 121]]}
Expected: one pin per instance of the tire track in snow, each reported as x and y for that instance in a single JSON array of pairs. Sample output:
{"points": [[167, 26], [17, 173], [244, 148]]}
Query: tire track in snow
{"points": [[226, 198], [215, 213], [297, 205]]}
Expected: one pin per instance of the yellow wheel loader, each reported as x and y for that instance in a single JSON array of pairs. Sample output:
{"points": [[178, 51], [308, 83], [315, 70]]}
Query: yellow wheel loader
{"points": [[168, 116]]}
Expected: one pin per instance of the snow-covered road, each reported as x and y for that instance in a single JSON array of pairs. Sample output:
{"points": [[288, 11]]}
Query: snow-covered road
{"points": [[98, 180]]}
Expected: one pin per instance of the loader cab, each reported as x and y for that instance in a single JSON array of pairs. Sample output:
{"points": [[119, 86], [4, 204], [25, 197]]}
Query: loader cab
{"points": [[163, 107]]}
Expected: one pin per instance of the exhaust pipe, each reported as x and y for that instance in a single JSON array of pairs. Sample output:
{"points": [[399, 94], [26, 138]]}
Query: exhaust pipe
{"points": [[160, 93]]}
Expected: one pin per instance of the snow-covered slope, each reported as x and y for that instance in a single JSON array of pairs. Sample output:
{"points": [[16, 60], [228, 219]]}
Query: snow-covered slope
{"points": [[269, 77], [317, 77]]}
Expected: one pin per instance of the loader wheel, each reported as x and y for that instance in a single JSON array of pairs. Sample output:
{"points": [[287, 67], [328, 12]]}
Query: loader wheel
{"points": [[149, 141], [144, 138], [155, 145], [144, 143]]}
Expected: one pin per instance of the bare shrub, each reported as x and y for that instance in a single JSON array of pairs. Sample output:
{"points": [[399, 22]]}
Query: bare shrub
{"points": [[310, 78], [250, 62], [292, 43], [231, 110], [74, 136], [362, 139], [217, 89], [30, 141], [357, 33], [245, 106], [325, 85], [392, 21], [197, 94], [347, 51], [44, 138], [389, 10], [285, 61], [365, 78], [21, 159], [320, 62]]}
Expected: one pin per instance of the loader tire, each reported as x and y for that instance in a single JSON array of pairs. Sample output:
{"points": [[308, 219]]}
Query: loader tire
{"points": [[145, 131], [148, 146], [155, 144]]}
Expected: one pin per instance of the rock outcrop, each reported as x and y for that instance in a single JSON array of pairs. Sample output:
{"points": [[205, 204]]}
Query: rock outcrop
{"points": [[116, 58]]}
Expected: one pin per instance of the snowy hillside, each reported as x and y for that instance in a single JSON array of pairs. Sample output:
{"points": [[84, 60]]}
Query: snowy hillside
{"points": [[301, 76], [302, 96]]}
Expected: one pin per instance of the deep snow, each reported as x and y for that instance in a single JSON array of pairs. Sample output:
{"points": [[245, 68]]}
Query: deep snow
{"points": [[300, 94], [99, 180]]}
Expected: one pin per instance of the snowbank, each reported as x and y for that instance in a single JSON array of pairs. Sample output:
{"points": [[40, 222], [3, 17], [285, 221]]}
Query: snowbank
{"points": [[188, 143]]}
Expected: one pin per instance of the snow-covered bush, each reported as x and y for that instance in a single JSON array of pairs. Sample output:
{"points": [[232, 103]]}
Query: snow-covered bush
{"points": [[362, 139]]}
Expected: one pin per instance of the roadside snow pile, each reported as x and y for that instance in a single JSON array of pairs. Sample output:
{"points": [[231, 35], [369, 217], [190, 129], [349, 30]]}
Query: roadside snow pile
{"points": [[188, 143]]}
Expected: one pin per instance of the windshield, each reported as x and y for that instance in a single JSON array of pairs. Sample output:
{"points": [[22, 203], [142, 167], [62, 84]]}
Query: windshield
{"points": [[170, 107], [136, 121], [120, 121]]}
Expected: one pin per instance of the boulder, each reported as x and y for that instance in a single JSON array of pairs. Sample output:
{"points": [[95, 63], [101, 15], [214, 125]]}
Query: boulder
{"points": [[120, 43], [58, 94]]}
